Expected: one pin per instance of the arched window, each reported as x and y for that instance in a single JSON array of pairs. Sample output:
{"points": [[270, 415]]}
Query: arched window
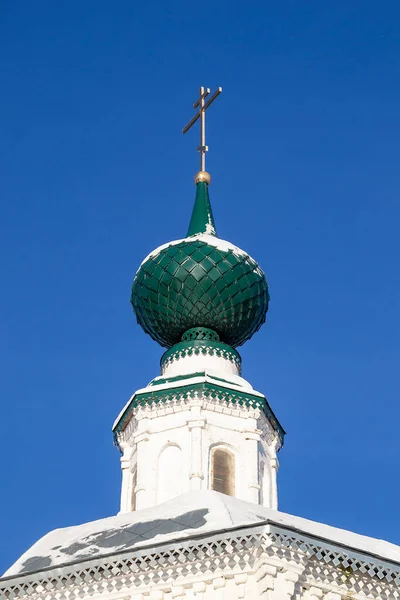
{"points": [[169, 473], [223, 471]]}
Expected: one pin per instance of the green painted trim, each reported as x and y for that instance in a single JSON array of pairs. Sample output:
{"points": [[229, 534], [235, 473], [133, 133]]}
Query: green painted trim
{"points": [[196, 347], [200, 333], [202, 220], [177, 378], [206, 389]]}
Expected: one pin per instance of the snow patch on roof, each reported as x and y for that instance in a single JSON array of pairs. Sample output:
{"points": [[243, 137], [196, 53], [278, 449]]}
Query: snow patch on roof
{"points": [[194, 513], [221, 379], [219, 376]]}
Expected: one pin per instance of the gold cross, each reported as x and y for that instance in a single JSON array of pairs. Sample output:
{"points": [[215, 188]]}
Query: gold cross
{"points": [[201, 114]]}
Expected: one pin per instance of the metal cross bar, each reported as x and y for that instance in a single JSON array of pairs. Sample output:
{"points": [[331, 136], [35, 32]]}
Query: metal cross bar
{"points": [[201, 114], [202, 96]]}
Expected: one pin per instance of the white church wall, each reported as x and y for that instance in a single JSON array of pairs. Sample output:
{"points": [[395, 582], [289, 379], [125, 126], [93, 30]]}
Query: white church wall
{"points": [[194, 428], [164, 456]]}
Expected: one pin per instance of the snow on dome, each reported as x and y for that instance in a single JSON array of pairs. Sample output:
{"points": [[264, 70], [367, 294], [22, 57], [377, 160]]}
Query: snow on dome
{"points": [[208, 238], [200, 281]]}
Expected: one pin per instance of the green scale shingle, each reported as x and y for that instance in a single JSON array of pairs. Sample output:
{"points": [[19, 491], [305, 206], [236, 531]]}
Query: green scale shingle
{"points": [[200, 282]]}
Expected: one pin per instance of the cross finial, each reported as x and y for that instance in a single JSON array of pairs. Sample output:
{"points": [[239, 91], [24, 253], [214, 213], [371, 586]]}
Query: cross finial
{"points": [[202, 106]]}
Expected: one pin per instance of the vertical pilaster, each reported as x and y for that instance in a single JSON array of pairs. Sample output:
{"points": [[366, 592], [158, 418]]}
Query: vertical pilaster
{"points": [[274, 477], [125, 485], [142, 486], [196, 475], [252, 438]]}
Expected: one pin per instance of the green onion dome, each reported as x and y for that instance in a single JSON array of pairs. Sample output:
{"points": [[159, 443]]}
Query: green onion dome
{"points": [[200, 281]]}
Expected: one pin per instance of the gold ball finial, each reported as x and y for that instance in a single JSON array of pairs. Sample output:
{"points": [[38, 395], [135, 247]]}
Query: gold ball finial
{"points": [[202, 176]]}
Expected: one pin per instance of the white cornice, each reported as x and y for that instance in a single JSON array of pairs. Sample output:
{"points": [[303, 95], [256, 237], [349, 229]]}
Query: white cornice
{"points": [[265, 544]]}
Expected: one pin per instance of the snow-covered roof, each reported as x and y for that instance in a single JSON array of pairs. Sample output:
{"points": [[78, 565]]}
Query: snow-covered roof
{"points": [[190, 515]]}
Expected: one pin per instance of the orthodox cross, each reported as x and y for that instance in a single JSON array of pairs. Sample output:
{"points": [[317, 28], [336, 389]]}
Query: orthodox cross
{"points": [[202, 106]]}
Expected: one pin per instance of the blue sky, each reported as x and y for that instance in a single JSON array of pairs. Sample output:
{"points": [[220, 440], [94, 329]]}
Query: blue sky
{"points": [[95, 173]]}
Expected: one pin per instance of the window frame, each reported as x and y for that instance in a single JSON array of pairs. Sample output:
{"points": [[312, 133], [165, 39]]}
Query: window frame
{"points": [[229, 485]]}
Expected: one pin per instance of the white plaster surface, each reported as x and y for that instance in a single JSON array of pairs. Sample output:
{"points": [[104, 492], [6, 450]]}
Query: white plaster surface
{"points": [[200, 362]]}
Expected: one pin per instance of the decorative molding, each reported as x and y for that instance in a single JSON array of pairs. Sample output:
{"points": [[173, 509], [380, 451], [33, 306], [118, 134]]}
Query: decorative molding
{"points": [[235, 400], [196, 348], [142, 436], [191, 423], [253, 434], [200, 334], [270, 553], [128, 434], [268, 434]]}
